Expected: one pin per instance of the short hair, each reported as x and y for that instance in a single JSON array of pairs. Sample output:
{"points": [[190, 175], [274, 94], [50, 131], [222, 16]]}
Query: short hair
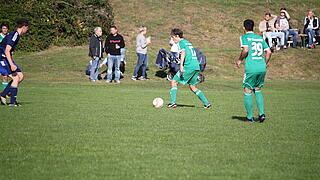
{"points": [[142, 28], [267, 14], [22, 22], [97, 28], [283, 9], [5, 24], [115, 27], [248, 24], [177, 32]]}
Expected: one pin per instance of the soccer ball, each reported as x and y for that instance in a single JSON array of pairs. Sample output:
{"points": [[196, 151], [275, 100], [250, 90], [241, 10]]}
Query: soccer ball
{"points": [[157, 102]]}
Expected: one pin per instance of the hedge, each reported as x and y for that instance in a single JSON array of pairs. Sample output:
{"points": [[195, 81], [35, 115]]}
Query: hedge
{"points": [[57, 22]]}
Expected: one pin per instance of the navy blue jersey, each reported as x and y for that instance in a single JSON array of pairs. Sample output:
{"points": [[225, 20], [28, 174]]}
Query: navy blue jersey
{"points": [[12, 40]]}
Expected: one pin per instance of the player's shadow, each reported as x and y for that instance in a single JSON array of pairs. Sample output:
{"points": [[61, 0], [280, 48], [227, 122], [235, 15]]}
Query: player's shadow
{"points": [[183, 105], [240, 118]]}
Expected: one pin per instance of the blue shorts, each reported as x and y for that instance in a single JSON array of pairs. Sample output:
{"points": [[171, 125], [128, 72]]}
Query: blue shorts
{"points": [[5, 69]]}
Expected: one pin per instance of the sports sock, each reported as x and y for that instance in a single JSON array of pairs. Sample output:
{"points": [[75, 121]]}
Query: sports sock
{"points": [[260, 102], [173, 94], [248, 104], [14, 93], [7, 89], [4, 84], [201, 97]]}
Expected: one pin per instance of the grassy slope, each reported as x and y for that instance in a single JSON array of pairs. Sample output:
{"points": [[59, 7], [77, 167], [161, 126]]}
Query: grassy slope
{"points": [[215, 27]]}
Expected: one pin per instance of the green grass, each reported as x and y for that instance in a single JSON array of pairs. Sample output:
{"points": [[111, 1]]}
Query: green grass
{"points": [[85, 131], [69, 128]]}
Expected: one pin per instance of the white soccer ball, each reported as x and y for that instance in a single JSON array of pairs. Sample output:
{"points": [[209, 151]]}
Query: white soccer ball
{"points": [[157, 102]]}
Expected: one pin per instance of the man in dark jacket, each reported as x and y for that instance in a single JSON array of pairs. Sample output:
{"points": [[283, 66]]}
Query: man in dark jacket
{"points": [[114, 43], [96, 53]]}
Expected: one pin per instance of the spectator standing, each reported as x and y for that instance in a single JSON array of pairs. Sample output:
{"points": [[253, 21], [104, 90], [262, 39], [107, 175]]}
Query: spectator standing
{"points": [[96, 53], [269, 31], [114, 43], [311, 25], [141, 49], [282, 24]]}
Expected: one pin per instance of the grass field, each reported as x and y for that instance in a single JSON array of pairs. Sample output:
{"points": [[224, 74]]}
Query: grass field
{"points": [[85, 131], [69, 128]]}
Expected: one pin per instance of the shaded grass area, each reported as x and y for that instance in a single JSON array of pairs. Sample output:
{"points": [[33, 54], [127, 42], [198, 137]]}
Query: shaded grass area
{"points": [[68, 64], [85, 131]]}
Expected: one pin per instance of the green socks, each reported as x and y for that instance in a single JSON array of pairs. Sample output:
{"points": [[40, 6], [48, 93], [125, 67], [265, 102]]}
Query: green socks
{"points": [[201, 97], [4, 84], [260, 102], [173, 94], [248, 104]]}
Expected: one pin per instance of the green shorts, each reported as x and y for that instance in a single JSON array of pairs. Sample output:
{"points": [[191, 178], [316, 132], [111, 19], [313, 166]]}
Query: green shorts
{"points": [[253, 80], [188, 77]]}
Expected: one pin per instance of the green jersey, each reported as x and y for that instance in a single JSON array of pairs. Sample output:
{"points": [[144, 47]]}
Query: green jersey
{"points": [[255, 61], [1, 37], [190, 61]]}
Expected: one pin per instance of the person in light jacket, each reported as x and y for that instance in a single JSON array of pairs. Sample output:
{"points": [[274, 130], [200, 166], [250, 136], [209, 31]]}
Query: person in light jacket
{"points": [[141, 50]]}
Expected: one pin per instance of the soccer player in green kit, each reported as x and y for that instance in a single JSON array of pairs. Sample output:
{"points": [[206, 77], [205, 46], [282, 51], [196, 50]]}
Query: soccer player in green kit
{"points": [[253, 47], [189, 70], [4, 31]]}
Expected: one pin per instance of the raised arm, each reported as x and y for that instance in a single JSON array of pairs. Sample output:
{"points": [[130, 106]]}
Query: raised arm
{"points": [[287, 15]]}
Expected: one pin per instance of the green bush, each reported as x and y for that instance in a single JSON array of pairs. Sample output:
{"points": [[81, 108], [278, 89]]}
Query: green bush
{"points": [[57, 22]]}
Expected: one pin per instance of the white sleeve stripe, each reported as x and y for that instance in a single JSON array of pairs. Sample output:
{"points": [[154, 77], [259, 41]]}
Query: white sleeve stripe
{"points": [[14, 38]]}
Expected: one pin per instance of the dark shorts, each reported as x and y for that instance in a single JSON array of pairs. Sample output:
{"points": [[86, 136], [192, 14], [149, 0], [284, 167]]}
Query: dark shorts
{"points": [[5, 69]]}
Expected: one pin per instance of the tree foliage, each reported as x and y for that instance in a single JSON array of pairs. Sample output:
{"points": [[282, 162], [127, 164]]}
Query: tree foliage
{"points": [[57, 22]]}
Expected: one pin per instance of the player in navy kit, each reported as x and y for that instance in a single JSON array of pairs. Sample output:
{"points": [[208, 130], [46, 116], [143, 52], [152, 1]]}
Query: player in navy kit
{"points": [[7, 66]]}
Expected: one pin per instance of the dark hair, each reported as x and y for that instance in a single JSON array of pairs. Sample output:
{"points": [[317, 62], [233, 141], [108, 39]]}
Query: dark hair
{"points": [[248, 24], [22, 22], [176, 32], [115, 27], [283, 9], [5, 24], [267, 14]]}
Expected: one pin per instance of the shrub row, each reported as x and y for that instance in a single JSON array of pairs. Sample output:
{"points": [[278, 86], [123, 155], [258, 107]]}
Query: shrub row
{"points": [[57, 22]]}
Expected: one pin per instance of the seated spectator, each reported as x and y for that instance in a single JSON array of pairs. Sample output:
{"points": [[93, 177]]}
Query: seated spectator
{"points": [[282, 24], [311, 25], [95, 52], [174, 51], [269, 31]]}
